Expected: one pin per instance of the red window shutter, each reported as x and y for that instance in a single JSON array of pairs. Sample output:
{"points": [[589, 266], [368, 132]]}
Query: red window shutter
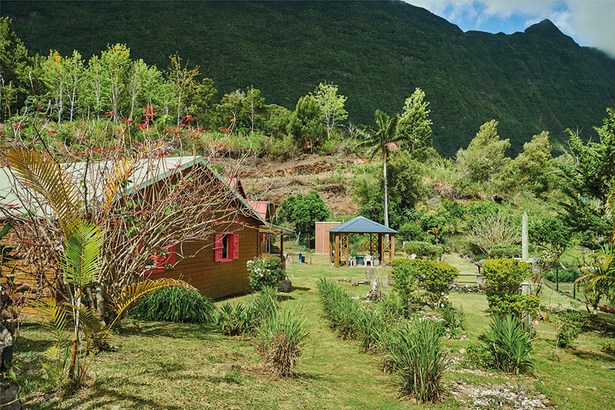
{"points": [[218, 247], [235, 246], [168, 259]]}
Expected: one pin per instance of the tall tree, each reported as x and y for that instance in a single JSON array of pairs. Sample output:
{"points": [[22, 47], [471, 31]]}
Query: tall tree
{"points": [[587, 176], [20, 76], [331, 104], [304, 211], [384, 137], [94, 83], [306, 124], [183, 80], [535, 164], [55, 70], [116, 60], [415, 125], [484, 157]]}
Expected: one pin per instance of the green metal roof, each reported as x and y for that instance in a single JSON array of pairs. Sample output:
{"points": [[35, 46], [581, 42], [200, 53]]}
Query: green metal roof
{"points": [[361, 224]]}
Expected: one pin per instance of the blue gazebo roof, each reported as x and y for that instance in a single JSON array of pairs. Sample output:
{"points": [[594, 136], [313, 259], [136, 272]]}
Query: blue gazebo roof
{"points": [[361, 224]]}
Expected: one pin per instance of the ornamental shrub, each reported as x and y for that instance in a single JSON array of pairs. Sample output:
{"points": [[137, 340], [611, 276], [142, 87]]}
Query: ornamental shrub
{"points": [[571, 327], [434, 277], [264, 272], [504, 251], [506, 346], [405, 280], [503, 278], [174, 304], [416, 351], [421, 249]]}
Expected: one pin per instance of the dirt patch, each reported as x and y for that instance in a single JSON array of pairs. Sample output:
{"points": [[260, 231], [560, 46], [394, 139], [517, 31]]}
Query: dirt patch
{"points": [[275, 181]]}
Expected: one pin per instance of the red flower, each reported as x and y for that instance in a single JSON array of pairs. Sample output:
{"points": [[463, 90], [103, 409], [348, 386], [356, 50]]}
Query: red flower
{"points": [[109, 113], [232, 120], [52, 131]]}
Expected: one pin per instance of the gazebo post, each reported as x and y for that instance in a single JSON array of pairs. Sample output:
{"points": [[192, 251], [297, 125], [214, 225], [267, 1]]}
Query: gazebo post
{"points": [[282, 251], [381, 248], [392, 240], [337, 250]]}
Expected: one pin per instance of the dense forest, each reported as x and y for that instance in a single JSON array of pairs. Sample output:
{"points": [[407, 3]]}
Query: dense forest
{"points": [[376, 52]]}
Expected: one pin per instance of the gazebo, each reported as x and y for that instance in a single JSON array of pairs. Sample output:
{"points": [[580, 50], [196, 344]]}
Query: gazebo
{"points": [[381, 240]]}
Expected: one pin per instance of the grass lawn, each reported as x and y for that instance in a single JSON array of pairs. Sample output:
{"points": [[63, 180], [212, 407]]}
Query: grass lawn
{"points": [[178, 366]]}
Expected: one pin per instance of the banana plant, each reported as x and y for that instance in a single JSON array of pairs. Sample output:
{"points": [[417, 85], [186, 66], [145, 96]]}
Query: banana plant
{"points": [[83, 242]]}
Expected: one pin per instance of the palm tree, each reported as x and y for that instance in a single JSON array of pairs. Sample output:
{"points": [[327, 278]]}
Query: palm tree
{"points": [[381, 138], [40, 172]]}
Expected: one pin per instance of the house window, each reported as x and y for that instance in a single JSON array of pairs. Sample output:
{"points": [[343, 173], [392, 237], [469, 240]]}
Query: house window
{"points": [[226, 247], [164, 261]]}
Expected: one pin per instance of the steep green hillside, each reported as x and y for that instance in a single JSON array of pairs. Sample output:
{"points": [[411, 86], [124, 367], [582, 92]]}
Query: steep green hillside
{"points": [[377, 52]]}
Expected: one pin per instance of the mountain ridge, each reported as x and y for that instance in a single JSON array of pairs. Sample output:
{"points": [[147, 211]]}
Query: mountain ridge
{"points": [[377, 52]]}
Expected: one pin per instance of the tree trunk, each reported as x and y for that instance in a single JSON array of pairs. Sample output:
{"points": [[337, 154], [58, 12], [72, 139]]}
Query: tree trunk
{"points": [[386, 198]]}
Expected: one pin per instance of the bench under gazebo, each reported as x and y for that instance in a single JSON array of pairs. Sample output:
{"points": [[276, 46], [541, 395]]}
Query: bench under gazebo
{"points": [[381, 240]]}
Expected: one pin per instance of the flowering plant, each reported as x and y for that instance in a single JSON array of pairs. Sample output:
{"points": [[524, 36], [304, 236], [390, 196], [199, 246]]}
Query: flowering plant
{"points": [[264, 272]]}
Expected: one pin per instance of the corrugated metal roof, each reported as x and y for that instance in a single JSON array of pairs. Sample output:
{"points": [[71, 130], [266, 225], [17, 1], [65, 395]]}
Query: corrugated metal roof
{"points": [[361, 224], [146, 172]]}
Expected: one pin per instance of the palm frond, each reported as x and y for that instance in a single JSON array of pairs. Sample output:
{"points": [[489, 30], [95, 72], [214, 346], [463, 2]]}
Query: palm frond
{"points": [[42, 173], [81, 252], [52, 316], [114, 180], [54, 353], [89, 320]]}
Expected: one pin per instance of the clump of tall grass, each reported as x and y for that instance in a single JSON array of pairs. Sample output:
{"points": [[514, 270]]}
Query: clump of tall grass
{"points": [[506, 346], [354, 320], [413, 347], [340, 308], [280, 341], [174, 304], [415, 351], [235, 319]]}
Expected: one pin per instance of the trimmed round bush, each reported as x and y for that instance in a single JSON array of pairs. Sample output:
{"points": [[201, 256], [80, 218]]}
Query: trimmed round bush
{"points": [[174, 304]]}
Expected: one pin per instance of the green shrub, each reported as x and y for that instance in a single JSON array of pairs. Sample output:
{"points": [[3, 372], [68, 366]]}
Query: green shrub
{"points": [[571, 326], [420, 248], [453, 320], [412, 231], [234, 319], [562, 276], [504, 252], [280, 341], [503, 278], [507, 346], [435, 277], [415, 350], [405, 276], [174, 304], [264, 272]]}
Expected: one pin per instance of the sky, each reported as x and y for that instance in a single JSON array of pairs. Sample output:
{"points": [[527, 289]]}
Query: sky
{"points": [[588, 22]]}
